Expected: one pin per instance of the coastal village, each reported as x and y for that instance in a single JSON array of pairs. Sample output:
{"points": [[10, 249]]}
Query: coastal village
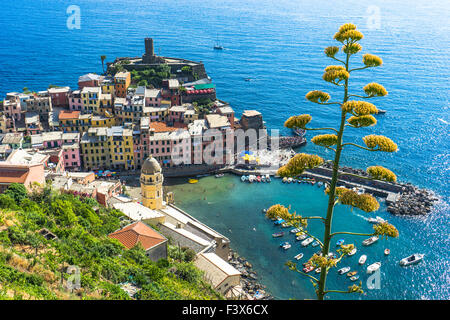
{"points": [[123, 128], [81, 140]]}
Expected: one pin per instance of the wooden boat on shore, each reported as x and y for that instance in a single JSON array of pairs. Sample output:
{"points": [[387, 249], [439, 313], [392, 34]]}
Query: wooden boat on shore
{"points": [[192, 181]]}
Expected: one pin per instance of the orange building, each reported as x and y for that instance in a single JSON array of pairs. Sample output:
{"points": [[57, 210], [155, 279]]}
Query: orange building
{"points": [[122, 81]]}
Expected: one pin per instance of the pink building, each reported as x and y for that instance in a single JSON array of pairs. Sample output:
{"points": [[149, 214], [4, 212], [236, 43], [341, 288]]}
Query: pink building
{"points": [[75, 101], [176, 114], [59, 96]]}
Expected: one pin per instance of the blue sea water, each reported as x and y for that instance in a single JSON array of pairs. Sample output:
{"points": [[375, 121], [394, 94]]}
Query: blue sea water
{"points": [[279, 44]]}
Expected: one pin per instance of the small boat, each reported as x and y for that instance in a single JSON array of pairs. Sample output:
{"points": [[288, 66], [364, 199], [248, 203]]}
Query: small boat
{"points": [[373, 267], [278, 234], [360, 191], [308, 269], [258, 178], [299, 181], [263, 178], [381, 111], [318, 270], [219, 175], [279, 221], [248, 79], [414, 258], [268, 178], [285, 225], [285, 245], [301, 237], [344, 270], [244, 178], [387, 252], [289, 180], [192, 180], [299, 256], [376, 220], [284, 180], [315, 243], [320, 184], [354, 278], [251, 178], [370, 241], [299, 132], [264, 210], [362, 259], [306, 242], [352, 252], [295, 230], [352, 273], [332, 255], [340, 242]]}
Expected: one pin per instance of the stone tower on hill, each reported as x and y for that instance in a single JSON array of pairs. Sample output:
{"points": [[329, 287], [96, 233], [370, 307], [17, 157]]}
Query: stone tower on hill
{"points": [[151, 184]]}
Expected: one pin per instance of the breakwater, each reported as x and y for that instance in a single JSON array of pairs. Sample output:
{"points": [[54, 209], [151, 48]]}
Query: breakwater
{"points": [[401, 198]]}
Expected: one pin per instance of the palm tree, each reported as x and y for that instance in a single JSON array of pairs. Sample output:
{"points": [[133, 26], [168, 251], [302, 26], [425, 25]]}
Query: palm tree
{"points": [[103, 58]]}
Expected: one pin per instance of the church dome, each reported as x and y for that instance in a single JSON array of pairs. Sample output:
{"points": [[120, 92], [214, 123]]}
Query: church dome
{"points": [[150, 166]]}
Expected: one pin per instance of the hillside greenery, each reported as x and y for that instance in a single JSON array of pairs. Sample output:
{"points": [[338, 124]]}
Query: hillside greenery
{"points": [[33, 267]]}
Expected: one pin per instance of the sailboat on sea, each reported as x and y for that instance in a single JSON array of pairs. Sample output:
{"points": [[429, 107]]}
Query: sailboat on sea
{"points": [[217, 46]]}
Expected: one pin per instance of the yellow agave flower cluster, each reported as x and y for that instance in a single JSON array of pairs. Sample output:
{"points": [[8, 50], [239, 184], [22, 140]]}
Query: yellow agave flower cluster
{"points": [[359, 108], [348, 32], [381, 173], [320, 261], [298, 121], [355, 288], [331, 51], [372, 60], [317, 96], [298, 164], [362, 121], [386, 229], [334, 74], [365, 202], [383, 143], [374, 89], [325, 140], [278, 210], [346, 248], [352, 48]]}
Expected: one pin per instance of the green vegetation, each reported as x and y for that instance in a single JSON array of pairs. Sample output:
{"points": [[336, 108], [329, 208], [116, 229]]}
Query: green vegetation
{"points": [[203, 106], [151, 76], [354, 114], [33, 267], [103, 58]]}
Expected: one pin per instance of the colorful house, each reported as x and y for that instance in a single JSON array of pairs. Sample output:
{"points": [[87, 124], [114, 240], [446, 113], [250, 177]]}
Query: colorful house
{"points": [[122, 81]]}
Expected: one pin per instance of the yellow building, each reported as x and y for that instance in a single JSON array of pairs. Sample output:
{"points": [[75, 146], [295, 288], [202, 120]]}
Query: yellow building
{"points": [[151, 184], [107, 86], [106, 104], [107, 148], [102, 121], [91, 99]]}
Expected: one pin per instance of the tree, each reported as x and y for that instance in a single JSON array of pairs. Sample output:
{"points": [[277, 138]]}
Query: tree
{"points": [[103, 58], [354, 114], [16, 191]]}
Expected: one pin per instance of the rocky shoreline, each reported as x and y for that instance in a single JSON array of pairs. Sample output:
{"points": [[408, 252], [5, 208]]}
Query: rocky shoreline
{"points": [[249, 277], [410, 199]]}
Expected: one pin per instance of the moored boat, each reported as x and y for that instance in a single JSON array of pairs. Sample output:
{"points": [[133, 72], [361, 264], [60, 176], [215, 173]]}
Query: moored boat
{"points": [[362, 259], [268, 178], [295, 230], [373, 267], [219, 175], [263, 178], [370, 241], [301, 237], [315, 243], [352, 273], [279, 221], [244, 178], [376, 220], [412, 259], [306, 242], [352, 252], [278, 234], [318, 270], [340, 242], [344, 270], [289, 180], [387, 252], [354, 278], [308, 268], [284, 180], [299, 256], [192, 181]]}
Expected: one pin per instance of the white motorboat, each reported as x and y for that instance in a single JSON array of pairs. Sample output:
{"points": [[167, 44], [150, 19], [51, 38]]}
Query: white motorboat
{"points": [[301, 237], [315, 243], [344, 270], [318, 270], [299, 256], [352, 252], [376, 220], [306, 242], [362, 259], [289, 180], [373, 267], [370, 241], [284, 180], [286, 246], [412, 259], [268, 178], [295, 230], [244, 178]]}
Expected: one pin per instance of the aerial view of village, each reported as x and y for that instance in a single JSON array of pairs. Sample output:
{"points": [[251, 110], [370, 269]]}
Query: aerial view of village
{"points": [[224, 151]]}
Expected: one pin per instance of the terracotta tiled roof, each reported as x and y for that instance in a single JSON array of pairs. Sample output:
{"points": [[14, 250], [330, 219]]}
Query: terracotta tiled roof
{"points": [[8, 175], [138, 232], [162, 127], [69, 115]]}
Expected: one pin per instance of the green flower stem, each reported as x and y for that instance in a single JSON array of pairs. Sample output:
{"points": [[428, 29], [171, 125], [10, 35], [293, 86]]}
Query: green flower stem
{"points": [[351, 233], [305, 274], [361, 147], [315, 129], [362, 68]]}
